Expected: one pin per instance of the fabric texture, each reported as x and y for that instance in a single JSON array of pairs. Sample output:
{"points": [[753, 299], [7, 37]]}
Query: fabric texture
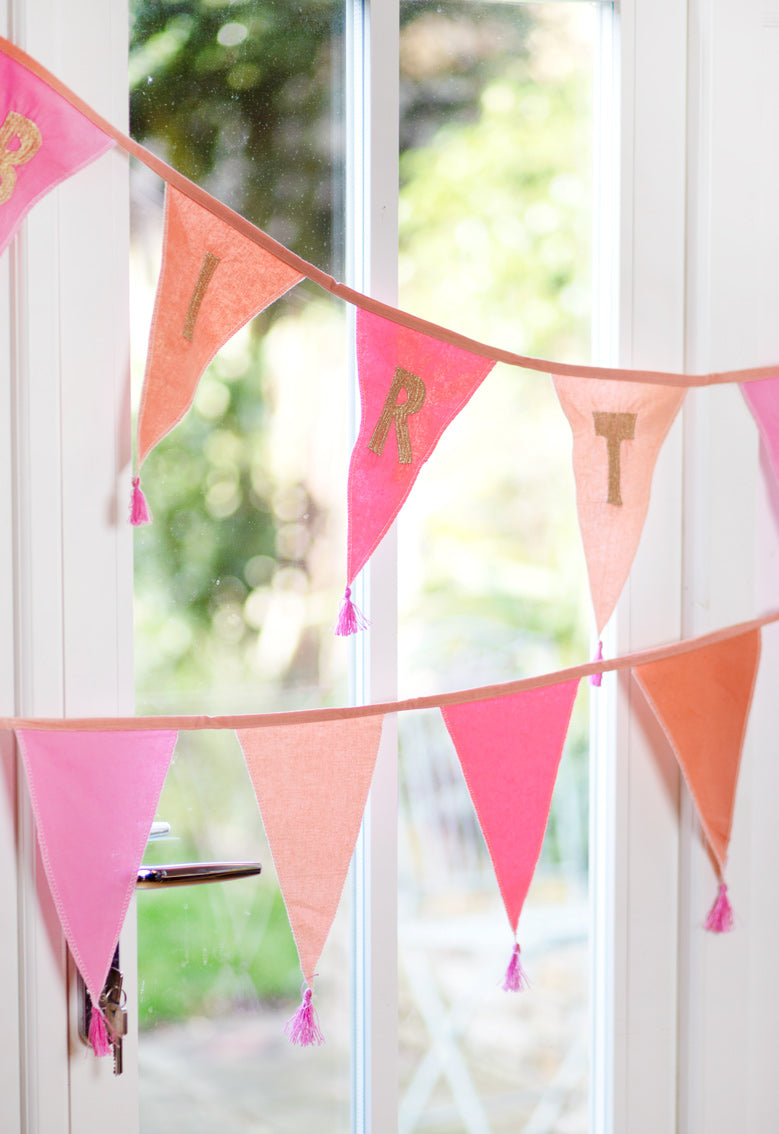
{"points": [[509, 749], [618, 431], [43, 140], [702, 701], [312, 783], [212, 281], [412, 387], [763, 400], [94, 796]]}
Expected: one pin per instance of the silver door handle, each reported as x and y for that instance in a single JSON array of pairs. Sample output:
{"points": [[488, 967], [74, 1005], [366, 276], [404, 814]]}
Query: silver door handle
{"points": [[193, 873]]}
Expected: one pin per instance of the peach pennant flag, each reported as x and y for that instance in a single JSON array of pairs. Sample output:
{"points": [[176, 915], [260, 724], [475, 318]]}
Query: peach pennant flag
{"points": [[509, 749], [618, 431], [702, 700], [94, 795], [412, 387], [213, 280], [43, 140], [311, 782]]}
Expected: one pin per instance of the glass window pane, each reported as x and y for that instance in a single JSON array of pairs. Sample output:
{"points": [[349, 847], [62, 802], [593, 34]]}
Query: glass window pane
{"points": [[238, 577], [495, 222]]}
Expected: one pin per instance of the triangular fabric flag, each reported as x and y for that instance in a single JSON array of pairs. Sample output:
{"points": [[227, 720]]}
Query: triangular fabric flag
{"points": [[311, 782], [509, 749], [94, 795], [618, 431], [763, 400], [702, 700], [412, 387], [43, 140], [213, 280]]}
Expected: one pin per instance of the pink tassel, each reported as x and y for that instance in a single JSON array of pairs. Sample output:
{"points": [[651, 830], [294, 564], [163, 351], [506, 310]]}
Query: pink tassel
{"points": [[596, 678], [139, 509], [303, 1027], [98, 1033], [350, 619], [720, 919], [515, 979]]}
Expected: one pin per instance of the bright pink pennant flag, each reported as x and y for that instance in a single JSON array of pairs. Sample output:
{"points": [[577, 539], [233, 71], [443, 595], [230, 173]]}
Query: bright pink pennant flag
{"points": [[411, 388], [509, 749], [43, 140], [763, 400], [702, 700], [618, 430], [94, 795], [213, 280], [312, 783]]}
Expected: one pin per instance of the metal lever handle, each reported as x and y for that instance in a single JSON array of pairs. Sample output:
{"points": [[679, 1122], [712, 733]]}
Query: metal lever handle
{"points": [[193, 873]]}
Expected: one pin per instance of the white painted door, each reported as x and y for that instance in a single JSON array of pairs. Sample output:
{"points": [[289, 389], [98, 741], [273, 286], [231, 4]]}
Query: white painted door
{"points": [[66, 562]]}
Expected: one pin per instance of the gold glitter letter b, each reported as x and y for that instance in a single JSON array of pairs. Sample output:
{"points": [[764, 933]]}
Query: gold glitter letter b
{"points": [[28, 138], [414, 389], [615, 427]]}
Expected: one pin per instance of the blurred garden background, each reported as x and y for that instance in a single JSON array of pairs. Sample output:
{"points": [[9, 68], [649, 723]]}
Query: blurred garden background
{"points": [[238, 578]]}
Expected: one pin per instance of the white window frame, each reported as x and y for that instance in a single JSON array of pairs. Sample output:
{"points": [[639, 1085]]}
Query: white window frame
{"points": [[685, 1025]]}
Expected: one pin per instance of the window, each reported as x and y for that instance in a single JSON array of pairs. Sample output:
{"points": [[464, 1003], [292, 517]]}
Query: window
{"points": [[685, 1026]]}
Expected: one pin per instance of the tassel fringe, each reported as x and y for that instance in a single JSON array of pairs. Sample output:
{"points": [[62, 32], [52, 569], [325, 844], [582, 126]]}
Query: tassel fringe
{"points": [[98, 1033], [515, 979], [720, 919], [303, 1027], [597, 678], [350, 618], [139, 509]]}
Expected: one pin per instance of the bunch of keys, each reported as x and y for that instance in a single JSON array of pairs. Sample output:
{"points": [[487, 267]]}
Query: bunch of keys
{"points": [[112, 1005]]}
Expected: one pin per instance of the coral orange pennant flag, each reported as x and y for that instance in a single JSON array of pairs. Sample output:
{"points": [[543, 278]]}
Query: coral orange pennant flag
{"points": [[43, 140], [509, 749], [412, 387], [702, 699], [311, 782], [618, 431], [94, 795], [213, 280]]}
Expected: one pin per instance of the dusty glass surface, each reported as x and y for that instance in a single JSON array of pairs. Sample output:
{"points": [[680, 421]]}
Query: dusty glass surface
{"points": [[238, 578], [495, 222]]}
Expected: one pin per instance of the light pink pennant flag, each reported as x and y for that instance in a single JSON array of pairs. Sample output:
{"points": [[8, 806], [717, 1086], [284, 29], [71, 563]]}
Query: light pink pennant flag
{"points": [[509, 749], [618, 431], [763, 400], [94, 795], [411, 388], [213, 280], [312, 783], [43, 140], [702, 700]]}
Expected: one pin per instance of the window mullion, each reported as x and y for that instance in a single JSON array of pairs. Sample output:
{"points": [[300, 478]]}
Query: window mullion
{"points": [[372, 241]]}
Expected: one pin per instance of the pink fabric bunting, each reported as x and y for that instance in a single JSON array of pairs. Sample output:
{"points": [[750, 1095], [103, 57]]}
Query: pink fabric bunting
{"points": [[94, 795], [763, 400], [312, 783], [43, 140], [509, 749], [213, 280], [618, 431], [411, 388]]}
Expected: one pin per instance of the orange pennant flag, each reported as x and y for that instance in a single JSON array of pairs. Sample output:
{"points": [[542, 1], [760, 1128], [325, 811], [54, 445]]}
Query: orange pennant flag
{"points": [[213, 280], [618, 431], [702, 700], [312, 782]]}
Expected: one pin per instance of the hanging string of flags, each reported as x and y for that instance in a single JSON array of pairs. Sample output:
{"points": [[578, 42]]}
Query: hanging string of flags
{"points": [[509, 739], [218, 271]]}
